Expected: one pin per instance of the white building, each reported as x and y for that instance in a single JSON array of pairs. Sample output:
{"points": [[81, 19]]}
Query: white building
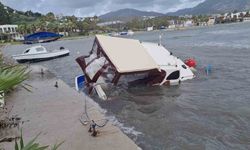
{"points": [[211, 21], [102, 24], [80, 18], [238, 15], [148, 17], [188, 23], [8, 28], [246, 19], [11, 30], [172, 26], [150, 28]]}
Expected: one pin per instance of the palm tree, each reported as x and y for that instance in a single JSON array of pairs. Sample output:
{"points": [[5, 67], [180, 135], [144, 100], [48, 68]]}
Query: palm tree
{"points": [[22, 29], [10, 76]]}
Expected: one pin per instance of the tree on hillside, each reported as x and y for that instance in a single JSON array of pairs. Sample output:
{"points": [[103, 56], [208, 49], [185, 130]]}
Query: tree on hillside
{"points": [[53, 27], [30, 13], [247, 14], [135, 24], [22, 29], [86, 27], [4, 16], [41, 25], [50, 17]]}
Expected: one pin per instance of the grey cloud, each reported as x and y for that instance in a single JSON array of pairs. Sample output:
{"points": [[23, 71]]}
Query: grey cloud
{"points": [[97, 7]]}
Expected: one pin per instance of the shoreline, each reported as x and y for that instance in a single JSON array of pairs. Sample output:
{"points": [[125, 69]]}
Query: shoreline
{"points": [[136, 32], [55, 112]]}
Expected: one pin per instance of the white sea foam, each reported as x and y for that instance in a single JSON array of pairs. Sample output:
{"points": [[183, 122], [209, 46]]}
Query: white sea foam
{"points": [[114, 121], [224, 44], [127, 130], [224, 32]]}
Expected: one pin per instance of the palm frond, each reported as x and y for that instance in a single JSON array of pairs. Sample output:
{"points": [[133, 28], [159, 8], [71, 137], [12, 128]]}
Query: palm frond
{"points": [[10, 76]]}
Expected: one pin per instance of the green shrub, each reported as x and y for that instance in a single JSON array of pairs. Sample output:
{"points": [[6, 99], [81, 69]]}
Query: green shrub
{"points": [[33, 145]]}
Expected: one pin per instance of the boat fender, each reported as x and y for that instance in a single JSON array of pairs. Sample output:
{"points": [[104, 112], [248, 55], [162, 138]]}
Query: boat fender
{"points": [[191, 62]]}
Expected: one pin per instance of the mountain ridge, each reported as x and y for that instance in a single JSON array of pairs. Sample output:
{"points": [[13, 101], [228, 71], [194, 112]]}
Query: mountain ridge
{"points": [[128, 14], [214, 7]]}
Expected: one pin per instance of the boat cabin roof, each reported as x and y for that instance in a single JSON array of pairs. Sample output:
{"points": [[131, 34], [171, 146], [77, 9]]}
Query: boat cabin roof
{"points": [[160, 54], [35, 50], [127, 55]]}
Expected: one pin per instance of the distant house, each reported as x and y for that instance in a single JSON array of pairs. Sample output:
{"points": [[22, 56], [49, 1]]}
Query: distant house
{"points": [[147, 17], [11, 30], [246, 19], [150, 28], [80, 18], [238, 15], [8, 29], [211, 21], [188, 23], [202, 23], [95, 18], [172, 24], [102, 24], [226, 16], [187, 16]]}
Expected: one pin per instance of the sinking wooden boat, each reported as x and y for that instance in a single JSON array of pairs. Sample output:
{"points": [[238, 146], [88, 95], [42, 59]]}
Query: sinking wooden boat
{"points": [[119, 60]]}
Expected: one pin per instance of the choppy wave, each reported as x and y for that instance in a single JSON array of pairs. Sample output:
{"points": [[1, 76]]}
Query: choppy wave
{"points": [[219, 32], [209, 112], [224, 44], [114, 121], [128, 130]]}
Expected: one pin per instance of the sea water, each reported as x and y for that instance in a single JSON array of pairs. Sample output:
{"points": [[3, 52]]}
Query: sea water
{"points": [[209, 112]]}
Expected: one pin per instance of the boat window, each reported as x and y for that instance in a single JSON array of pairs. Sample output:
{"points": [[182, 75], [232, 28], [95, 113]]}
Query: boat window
{"points": [[39, 49], [174, 75], [184, 66], [27, 51]]}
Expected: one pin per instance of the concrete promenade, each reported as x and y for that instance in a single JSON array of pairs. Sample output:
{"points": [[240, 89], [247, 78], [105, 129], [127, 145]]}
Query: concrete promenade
{"points": [[55, 112]]}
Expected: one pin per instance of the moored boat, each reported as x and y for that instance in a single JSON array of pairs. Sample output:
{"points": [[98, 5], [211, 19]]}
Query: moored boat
{"points": [[41, 37], [39, 53], [129, 32]]}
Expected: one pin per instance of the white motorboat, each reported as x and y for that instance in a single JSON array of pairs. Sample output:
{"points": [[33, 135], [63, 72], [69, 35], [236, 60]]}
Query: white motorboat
{"points": [[119, 60], [129, 32], [39, 53]]}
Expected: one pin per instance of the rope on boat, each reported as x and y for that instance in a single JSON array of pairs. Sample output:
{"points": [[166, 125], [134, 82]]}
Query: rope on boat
{"points": [[85, 119]]}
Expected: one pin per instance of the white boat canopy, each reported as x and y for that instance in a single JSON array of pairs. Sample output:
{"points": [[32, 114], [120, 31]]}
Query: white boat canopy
{"points": [[127, 55]]}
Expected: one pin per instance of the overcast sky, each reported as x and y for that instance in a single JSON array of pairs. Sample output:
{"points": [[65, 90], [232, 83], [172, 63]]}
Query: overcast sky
{"points": [[83, 8]]}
